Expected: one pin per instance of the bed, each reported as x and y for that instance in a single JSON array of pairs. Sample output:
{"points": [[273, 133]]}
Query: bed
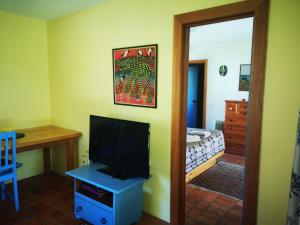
{"points": [[203, 147]]}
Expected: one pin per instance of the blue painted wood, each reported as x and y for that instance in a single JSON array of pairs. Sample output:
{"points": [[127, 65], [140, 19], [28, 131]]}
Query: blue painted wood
{"points": [[8, 164], [90, 175], [92, 213], [193, 80], [92, 201], [127, 198], [132, 201]]}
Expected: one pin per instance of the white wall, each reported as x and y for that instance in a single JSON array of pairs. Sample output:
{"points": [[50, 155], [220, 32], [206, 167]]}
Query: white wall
{"points": [[232, 51]]}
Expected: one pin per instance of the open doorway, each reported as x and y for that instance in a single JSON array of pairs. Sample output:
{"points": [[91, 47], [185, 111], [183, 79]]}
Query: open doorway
{"points": [[215, 157], [196, 102], [182, 24]]}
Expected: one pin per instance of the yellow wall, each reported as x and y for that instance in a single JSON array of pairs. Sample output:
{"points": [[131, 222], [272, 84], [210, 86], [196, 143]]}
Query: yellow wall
{"points": [[281, 106], [81, 83], [80, 71], [80, 63], [24, 80]]}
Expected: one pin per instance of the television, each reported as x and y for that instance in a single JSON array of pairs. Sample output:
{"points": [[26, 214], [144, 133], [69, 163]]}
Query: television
{"points": [[122, 146]]}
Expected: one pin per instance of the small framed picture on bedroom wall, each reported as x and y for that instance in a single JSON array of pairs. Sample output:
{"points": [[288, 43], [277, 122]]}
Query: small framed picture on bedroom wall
{"points": [[135, 76], [245, 77]]}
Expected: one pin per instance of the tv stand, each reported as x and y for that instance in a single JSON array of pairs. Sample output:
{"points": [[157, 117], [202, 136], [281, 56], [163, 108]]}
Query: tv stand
{"points": [[104, 200]]}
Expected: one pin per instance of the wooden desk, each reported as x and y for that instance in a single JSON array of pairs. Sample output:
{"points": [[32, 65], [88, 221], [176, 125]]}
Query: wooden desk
{"points": [[45, 137]]}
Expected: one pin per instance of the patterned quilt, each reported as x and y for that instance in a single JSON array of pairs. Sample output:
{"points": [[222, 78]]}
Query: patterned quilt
{"points": [[201, 151]]}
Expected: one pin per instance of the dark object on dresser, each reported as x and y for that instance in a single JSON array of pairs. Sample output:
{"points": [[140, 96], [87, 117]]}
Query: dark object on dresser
{"points": [[235, 127]]}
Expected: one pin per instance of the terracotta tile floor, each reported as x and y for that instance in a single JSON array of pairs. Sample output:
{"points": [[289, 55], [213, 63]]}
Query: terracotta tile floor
{"points": [[204, 207], [48, 200]]}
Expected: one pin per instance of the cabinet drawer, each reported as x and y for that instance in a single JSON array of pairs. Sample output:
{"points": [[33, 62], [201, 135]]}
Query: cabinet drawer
{"points": [[242, 109], [236, 119], [91, 213], [233, 151], [235, 138], [234, 146], [236, 129], [231, 108]]}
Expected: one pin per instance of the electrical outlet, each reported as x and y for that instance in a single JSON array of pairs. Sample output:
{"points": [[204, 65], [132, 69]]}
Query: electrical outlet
{"points": [[84, 159]]}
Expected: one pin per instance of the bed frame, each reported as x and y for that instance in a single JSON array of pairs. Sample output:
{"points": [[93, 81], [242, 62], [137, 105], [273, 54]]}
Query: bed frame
{"points": [[203, 167]]}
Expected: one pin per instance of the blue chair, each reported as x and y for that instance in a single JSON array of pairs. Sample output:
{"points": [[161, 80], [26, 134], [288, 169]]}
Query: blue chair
{"points": [[8, 165]]}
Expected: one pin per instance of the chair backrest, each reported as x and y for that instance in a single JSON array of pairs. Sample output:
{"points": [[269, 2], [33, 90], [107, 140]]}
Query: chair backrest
{"points": [[7, 151]]}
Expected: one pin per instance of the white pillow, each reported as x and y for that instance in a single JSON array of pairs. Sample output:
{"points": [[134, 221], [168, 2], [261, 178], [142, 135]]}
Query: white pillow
{"points": [[192, 138]]}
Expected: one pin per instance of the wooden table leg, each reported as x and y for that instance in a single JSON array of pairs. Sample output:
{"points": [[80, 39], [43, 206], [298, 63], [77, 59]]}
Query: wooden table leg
{"points": [[47, 160], [70, 154]]}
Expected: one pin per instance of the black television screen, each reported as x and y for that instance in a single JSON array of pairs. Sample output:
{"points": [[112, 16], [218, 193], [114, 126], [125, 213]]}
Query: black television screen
{"points": [[121, 145]]}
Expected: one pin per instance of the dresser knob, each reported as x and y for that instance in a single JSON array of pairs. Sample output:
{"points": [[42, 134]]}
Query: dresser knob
{"points": [[78, 209], [103, 221]]}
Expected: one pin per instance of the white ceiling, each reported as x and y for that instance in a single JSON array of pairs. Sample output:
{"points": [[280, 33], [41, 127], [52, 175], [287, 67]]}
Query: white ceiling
{"points": [[45, 9], [234, 30]]}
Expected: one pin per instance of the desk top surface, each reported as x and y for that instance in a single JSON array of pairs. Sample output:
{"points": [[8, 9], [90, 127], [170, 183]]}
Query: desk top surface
{"points": [[90, 175], [42, 135]]}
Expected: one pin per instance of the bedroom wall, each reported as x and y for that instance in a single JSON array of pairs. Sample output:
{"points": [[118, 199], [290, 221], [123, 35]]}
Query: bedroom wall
{"points": [[231, 51], [81, 83], [24, 81]]}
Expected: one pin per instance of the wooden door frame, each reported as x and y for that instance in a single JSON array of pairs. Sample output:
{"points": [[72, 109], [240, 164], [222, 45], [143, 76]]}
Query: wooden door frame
{"points": [[200, 62], [259, 9]]}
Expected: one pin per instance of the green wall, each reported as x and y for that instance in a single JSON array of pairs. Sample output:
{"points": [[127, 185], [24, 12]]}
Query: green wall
{"points": [[24, 80]]}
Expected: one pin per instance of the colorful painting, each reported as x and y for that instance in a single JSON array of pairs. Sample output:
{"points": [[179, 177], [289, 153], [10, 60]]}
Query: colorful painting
{"points": [[135, 76], [245, 76]]}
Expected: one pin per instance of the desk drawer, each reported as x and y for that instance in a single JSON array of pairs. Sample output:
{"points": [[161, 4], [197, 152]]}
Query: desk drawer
{"points": [[91, 213]]}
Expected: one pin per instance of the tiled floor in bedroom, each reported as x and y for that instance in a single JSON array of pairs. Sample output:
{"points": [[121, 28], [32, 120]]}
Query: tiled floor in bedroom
{"points": [[204, 207]]}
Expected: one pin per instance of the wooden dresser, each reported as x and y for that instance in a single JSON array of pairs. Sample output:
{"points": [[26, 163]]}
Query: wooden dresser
{"points": [[235, 127]]}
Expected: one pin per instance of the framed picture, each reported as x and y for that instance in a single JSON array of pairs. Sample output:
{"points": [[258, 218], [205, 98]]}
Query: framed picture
{"points": [[245, 76], [135, 76]]}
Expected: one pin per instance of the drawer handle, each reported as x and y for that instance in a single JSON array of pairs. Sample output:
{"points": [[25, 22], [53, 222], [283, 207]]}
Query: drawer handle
{"points": [[78, 209], [103, 221]]}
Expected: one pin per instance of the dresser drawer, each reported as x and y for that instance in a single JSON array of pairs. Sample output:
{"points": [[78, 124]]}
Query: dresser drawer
{"points": [[236, 119], [233, 145], [233, 151], [91, 213], [242, 109], [236, 129], [235, 138], [231, 108]]}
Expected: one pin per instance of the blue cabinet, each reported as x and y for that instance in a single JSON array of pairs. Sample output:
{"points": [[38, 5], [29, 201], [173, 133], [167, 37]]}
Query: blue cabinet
{"points": [[104, 200]]}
